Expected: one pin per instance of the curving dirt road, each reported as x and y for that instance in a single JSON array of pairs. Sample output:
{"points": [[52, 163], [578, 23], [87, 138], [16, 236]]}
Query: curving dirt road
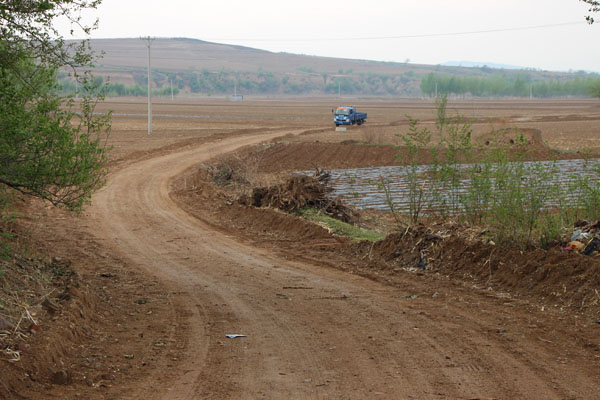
{"points": [[314, 332]]}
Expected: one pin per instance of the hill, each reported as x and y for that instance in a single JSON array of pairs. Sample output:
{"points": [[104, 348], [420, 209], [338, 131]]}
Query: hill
{"points": [[196, 67]]}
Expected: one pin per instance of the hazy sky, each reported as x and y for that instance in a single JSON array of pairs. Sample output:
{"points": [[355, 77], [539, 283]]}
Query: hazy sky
{"points": [[385, 30]]}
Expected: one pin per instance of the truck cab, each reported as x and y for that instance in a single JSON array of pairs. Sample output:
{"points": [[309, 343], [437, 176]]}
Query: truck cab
{"points": [[347, 115]]}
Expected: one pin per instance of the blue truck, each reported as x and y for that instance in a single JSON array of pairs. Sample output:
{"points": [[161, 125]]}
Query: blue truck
{"points": [[347, 115]]}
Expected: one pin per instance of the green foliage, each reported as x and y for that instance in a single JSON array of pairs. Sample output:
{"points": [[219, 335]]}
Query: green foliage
{"points": [[140, 78], [407, 83], [585, 190], [46, 149], [345, 85], [442, 121], [455, 147], [477, 197], [340, 228], [516, 85], [416, 140], [49, 148], [308, 70], [594, 89], [68, 88], [521, 191], [521, 203], [29, 25], [5, 218], [260, 82]]}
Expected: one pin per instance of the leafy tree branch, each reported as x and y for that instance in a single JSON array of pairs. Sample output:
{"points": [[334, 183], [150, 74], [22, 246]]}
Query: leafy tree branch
{"points": [[51, 147]]}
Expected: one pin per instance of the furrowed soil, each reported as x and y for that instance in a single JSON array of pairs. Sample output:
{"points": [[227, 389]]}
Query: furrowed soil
{"points": [[152, 276]]}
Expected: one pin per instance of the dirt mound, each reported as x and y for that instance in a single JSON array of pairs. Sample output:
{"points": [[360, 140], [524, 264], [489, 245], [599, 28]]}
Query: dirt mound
{"points": [[199, 194], [53, 294], [299, 192], [308, 155], [268, 227], [67, 320], [555, 275], [305, 156], [548, 277], [527, 138]]}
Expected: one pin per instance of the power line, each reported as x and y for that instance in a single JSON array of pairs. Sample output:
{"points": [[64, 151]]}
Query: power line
{"points": [[114, 54], [411, 36]]}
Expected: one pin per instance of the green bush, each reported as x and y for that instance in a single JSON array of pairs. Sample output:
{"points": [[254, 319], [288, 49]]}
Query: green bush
{"points": [[522, 203]]}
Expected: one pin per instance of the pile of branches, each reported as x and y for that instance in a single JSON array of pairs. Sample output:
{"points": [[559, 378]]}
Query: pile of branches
{"points": [[226, 173], [302, 191]]}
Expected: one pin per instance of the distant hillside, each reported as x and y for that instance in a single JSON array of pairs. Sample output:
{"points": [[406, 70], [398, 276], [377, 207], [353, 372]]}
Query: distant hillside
{"points": [[195, 67]]}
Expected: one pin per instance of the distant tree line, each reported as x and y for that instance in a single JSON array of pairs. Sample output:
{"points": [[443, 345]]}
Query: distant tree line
{"points": [[261, 82], [69, 87], [517, 85], [408, 83]]}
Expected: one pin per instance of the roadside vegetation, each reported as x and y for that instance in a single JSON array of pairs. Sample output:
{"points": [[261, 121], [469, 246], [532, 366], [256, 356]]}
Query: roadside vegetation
{"points": [[52, 147], [338, 227], [523, 204]]}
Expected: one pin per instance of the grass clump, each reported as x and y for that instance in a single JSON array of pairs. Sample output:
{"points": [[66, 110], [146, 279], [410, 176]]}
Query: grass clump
{"points": [[338, 227]]}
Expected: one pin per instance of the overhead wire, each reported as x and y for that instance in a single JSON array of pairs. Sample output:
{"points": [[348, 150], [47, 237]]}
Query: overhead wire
{"points": [[410, 36], [391, 37]]}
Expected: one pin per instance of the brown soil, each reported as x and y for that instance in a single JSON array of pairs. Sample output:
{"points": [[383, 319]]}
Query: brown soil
{"points": [[110, 326], [293, 156], [165, 253], [551, 277]]}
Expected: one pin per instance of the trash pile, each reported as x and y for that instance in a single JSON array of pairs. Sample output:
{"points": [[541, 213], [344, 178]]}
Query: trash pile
{"points": [[301, 191], [585, 239]]}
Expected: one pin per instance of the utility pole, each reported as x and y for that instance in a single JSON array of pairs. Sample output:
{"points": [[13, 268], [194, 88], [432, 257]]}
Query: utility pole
{"points": [[530, 91], [149, 44], [339, 90], [171, 83]]}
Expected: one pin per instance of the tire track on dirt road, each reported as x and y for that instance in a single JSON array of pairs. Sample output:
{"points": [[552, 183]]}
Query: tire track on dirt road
{"points": [[344, 337]]}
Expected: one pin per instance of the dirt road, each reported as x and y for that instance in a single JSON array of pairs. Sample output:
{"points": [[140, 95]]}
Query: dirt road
{"points": [[314, 332]]}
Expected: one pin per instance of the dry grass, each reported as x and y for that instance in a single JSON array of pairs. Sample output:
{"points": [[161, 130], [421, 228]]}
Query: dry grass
{"points": [[27, 283]]}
